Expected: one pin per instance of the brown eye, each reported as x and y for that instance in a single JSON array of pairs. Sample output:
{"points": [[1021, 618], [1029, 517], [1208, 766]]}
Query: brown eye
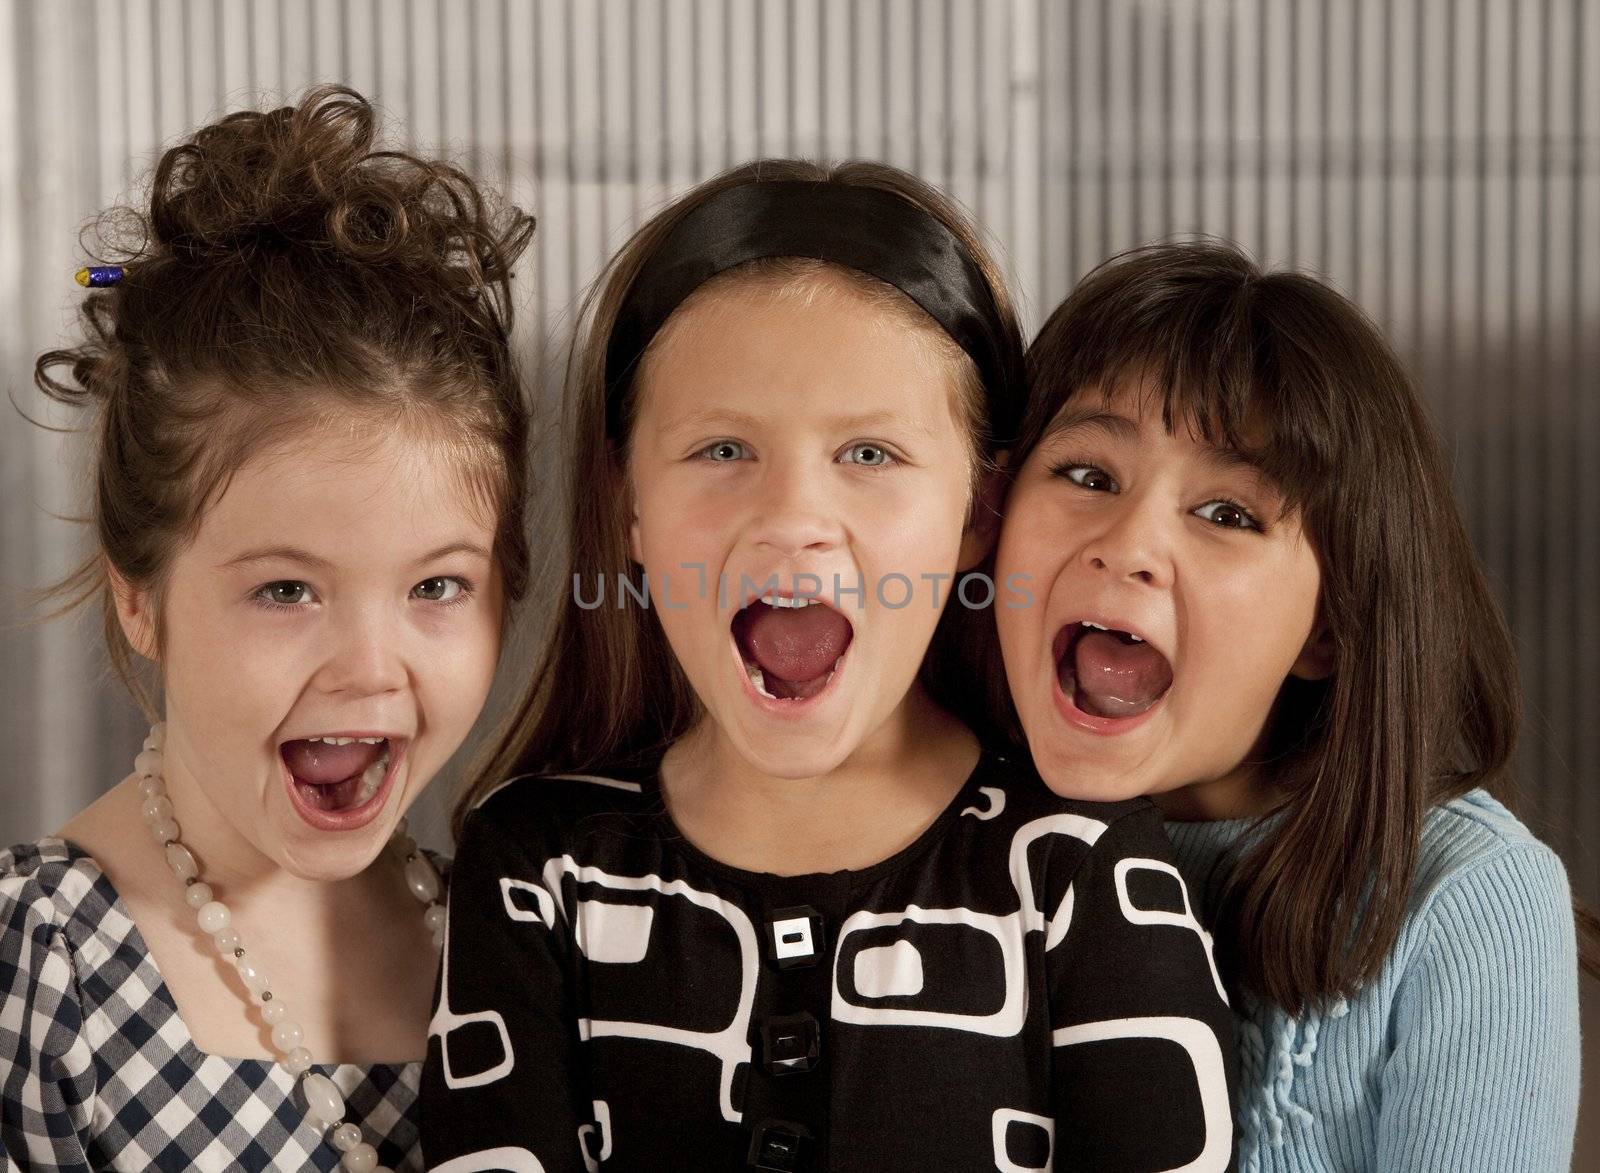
{"points": [[287, 593], [1096, 480], [1227, 515]]}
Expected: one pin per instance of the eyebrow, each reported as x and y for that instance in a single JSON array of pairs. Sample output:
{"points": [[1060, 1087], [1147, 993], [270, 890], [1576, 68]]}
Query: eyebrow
{"points": [[306, 558], [1120, 427], [840, 423]]}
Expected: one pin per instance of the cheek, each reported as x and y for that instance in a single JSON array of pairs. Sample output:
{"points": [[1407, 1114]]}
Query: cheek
{"points": [[674, 523], [1032, 538], [1253, 626], [224, 663], [923, 516], [471, 650]]}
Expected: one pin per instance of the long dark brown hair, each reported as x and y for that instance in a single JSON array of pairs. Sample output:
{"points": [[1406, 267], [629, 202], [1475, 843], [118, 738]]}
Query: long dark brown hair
{"points": [[286, 275], [608, 694], [1423, 704]]}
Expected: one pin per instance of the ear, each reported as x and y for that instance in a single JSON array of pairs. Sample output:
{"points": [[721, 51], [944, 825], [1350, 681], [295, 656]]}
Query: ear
{"points": [[622, 476], [136, 613], [635, 531], [983, 518], [1316, 658]]}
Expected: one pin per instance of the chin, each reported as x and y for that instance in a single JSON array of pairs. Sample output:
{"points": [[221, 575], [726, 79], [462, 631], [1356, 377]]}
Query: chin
{"points": [[325, 858], [1085, 781]]}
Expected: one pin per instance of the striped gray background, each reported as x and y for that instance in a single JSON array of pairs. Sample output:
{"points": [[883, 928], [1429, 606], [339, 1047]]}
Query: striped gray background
{"points": [[1440, 161]]}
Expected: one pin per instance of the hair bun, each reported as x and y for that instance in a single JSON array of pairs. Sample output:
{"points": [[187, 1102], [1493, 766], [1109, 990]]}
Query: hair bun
{"points": [[305, 179]]}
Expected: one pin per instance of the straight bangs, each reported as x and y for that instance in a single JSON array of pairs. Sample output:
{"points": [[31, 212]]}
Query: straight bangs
{"points": [[1237, 358]]}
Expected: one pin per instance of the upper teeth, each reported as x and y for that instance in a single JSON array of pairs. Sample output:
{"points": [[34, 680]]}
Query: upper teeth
{"points": [[1098, 627], [780, 601], [349, 740]]}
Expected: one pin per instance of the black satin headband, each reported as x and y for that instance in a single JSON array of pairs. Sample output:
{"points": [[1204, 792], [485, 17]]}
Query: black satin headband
{"points": [[863, 228]]}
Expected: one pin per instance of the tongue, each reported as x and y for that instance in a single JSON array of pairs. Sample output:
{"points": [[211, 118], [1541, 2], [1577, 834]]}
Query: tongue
{"points": [[321, 764], [792, 646], [1117, 679]]}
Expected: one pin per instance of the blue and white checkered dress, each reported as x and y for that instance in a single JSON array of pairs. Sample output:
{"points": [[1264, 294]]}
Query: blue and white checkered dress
{"points": [[97, 1071]]}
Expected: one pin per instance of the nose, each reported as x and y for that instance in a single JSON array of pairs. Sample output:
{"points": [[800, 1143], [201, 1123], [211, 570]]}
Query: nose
{"points": [[794, 511], [365, 656], [1132, 544]]}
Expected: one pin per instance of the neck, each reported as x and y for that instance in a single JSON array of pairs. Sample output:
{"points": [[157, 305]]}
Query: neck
{"points": [[878, 800]]}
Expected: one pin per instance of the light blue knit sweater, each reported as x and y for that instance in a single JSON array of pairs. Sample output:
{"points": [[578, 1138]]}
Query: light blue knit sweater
{"points": [[1461, 1054]]}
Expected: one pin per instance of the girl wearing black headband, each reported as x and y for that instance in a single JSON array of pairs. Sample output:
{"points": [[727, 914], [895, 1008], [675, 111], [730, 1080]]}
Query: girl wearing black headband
{"points": [[762, 895]]}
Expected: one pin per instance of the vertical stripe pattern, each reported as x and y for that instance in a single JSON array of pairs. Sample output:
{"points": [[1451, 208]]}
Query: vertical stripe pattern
{"points": [[1440, 161]]}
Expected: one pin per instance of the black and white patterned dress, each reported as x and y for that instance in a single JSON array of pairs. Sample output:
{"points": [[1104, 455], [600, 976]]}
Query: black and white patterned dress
{"points": [[1024, 987], [97, 1071]]}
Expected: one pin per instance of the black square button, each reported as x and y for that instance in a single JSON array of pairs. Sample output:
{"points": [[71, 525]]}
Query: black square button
{"points": [[790, 1043], [795, 937], [780, 1145]]}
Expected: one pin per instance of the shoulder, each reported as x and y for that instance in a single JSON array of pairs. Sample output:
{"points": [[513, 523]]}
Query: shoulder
{"points": [[51, 880], [55, 898], [1487, 890], [1474, 842], [548, 811], [541, 794], [49, 905]]}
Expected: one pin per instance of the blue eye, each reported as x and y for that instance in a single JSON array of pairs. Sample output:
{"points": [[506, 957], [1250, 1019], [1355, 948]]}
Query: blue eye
{"points": [[446, 589], [869, 455], [724, 451], [284, 595], [1096, 480], [1227, 515]]}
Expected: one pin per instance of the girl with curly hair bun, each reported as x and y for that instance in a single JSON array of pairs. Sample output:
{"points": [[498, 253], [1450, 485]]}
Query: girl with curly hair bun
{"points": [[309, 474]]}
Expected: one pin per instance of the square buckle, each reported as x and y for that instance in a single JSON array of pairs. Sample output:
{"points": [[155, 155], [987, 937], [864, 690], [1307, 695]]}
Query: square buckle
{"points": [[795, 937], [779, 1145], [790, 1043]]}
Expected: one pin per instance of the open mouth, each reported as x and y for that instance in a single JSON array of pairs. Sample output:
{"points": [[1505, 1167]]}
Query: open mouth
{"points": [[334, 774], [790, 647], [1109, 674]]}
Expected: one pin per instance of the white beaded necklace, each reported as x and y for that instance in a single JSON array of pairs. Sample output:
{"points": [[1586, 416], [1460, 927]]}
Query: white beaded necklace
{"points": [[324, 1102]]}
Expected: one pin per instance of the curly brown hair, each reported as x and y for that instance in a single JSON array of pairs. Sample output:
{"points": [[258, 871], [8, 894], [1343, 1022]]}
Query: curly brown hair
{"points": [[285, 273]]}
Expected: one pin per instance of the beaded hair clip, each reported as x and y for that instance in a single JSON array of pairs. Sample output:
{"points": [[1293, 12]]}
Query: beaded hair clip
{"points": [[99, 276]]}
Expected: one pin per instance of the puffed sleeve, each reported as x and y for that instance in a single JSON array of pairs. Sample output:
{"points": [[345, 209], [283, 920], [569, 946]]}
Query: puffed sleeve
{"points": [[501, 1086], [47, 1076], [1144, 1070]]}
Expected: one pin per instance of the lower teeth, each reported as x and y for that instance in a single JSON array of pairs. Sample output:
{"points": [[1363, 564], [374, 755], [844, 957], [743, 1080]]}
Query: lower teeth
{"points": [[371, 779], [759, 679]]}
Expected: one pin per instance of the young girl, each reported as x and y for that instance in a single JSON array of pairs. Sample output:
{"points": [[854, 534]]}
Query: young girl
{"points": [[1257, 603], [308, 481], [788, 913]]}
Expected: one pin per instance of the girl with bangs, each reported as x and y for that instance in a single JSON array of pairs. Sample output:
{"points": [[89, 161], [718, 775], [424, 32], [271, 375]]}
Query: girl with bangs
{"points": [[768, 900], [1259, 606]]}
